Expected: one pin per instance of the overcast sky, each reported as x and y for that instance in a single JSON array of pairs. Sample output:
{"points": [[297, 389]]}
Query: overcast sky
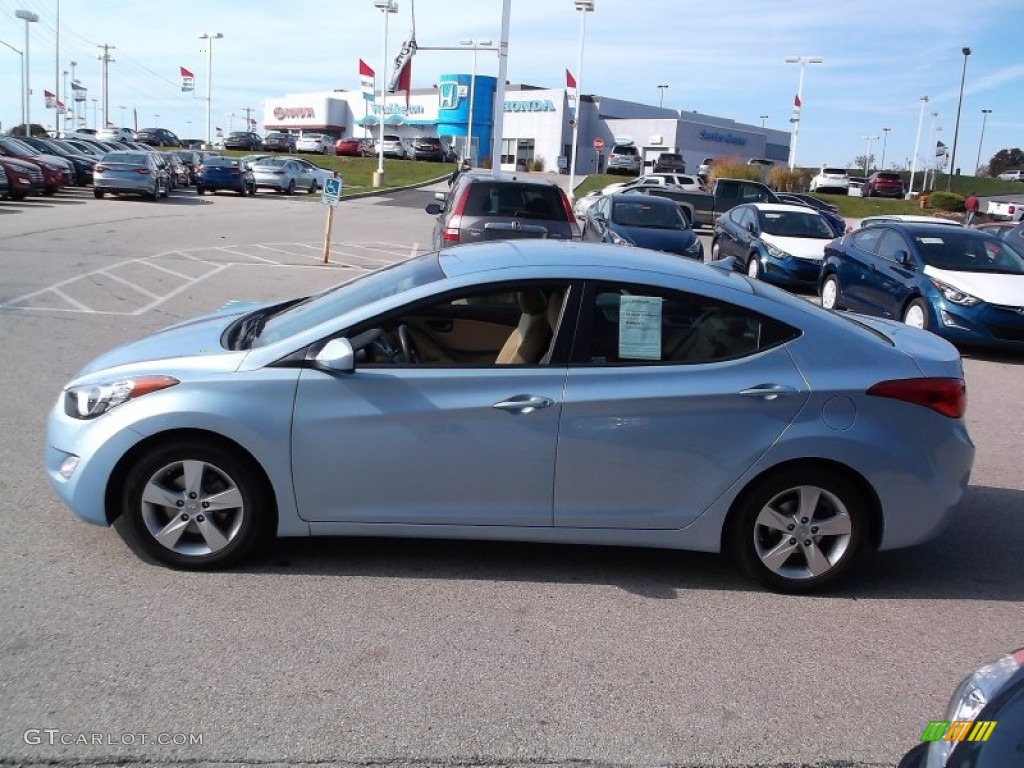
{"points": [[722, 58]]}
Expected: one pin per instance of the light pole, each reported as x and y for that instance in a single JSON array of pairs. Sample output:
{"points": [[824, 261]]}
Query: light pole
{"points": [[885, 142], [803, 61], [156, 119], [931, 161], [122, 115], [65, 92], [498, 132], [584, 7], [956, 129], [94, 118], [188, 124], [763, 119], [74, 101], [22, 55], [210, 36], [476, 45], [917, 146], [387, 7], [28, 17], [984, 117], [661, 95], [867, 158]]}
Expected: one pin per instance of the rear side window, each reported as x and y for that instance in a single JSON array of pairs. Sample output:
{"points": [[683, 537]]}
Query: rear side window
{"points": [[533, 201], [834, 171]]}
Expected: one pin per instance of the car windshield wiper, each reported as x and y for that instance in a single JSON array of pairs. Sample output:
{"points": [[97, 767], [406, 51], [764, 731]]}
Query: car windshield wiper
{"points": [[250, 329]]}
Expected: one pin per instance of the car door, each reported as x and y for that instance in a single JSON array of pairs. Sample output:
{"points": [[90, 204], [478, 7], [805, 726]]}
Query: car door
{"points": [[422, 443], [733, 227], [669, 398], [857, 267], [888, 285]]}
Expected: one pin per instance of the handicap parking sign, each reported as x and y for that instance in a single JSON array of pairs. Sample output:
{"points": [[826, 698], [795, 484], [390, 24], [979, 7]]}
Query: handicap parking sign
{"points": [[332, 192]]}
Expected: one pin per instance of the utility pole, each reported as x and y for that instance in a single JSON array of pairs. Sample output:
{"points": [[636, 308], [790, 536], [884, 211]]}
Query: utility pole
{"points": [[74, 94], [106, 60], [248, 115]]}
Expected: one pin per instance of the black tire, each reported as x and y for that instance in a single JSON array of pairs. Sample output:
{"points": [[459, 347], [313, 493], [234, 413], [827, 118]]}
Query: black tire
{"points": [[838, 505], [242, 191], [291, 188], [716, 250], [243, 529], [167, 191], [909, 311], [312, 188], [834, 292], [199, 190], [97, 193]]}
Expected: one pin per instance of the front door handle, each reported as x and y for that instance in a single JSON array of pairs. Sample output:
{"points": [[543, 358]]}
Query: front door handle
{"points": [[769, 391], [524, 403]]}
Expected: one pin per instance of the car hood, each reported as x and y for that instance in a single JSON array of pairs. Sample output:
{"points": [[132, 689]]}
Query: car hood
{"points": [[990, 287], [190, 339], [657, 239], [807, 248]]}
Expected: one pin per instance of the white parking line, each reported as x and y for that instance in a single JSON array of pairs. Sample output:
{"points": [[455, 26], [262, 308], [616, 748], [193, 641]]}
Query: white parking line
{"points": [[149, 263], [138, 288], [229, 250], [176, 291], [79, 306]]}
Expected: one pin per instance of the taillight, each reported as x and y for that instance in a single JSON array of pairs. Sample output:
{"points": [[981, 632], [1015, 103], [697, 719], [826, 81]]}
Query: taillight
{"points": [[142, 171], [1012, 209], [575, 233], [945, 396], [450, 233]]}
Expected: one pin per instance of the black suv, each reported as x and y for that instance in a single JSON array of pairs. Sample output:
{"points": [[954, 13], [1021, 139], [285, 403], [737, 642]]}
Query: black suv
{"points": [[481, 207], [429, 148], [157, 137], [243, 140], [279, 142], [669, 162]]}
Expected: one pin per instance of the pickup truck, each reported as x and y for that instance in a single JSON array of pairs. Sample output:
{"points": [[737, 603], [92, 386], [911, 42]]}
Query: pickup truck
{"points": [[704, 208], [1000, 209]]}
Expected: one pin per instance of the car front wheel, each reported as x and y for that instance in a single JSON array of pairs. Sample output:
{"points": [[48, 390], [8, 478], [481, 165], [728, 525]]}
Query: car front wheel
{"points": [[916, 314], [753, 267], [830, 293], [191, 505], [716, 250], [798, 530]]}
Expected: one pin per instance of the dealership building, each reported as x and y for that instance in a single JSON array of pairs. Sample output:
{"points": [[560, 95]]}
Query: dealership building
{"points": [[538, 124]]}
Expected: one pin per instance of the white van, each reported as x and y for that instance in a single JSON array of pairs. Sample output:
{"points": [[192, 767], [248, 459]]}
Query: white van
{"points": [[115, 134]]}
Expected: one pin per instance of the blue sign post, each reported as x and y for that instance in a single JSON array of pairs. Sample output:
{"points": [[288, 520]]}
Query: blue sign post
{"points": [[330, 197]]}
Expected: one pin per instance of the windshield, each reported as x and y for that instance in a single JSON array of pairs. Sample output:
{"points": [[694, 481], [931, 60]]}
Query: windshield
{"points": [[794, 224], [346, 297], [135, 158], [645, 214], [18, 147], [967, 251]]}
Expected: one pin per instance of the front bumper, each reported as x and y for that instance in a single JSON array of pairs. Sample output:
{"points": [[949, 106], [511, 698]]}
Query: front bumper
{"points": [[985, 325], [790, 271]]}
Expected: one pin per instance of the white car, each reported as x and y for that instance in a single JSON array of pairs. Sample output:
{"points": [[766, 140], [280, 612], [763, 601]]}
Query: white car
{"points": [[115, 134], [831, 179], [396, 146], [1011, 176], [680, 180], [856, 187], [907, 218], [317, 143]]}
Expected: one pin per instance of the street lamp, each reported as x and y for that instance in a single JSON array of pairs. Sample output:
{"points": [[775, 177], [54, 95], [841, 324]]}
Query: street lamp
{"points": [[22, 55], [476, 45], [956, 129], [387, 7], [885, 142], [122, 115], [210, 36], [867, 158], [584, 7], [984, 117], [917, 146], [188, 125], [661, 95], [29, 18], [803, 61], [763, 118]]}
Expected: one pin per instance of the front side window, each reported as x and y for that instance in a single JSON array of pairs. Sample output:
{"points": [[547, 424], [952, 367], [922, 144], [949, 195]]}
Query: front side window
{"points": [[892, 247], [867, 239], [633, 324]]}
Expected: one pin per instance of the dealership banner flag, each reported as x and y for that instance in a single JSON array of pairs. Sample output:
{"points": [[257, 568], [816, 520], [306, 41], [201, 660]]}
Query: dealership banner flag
{"points": [[51, 99], [940, 149], [59, 106], [570, 81], [188, 80], [401, 78], [366, 80], [570, 84], [79, 90], [797, 104]]}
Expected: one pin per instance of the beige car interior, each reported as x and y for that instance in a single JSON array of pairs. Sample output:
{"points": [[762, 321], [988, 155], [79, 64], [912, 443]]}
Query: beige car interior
{"points": [[530, 342]]}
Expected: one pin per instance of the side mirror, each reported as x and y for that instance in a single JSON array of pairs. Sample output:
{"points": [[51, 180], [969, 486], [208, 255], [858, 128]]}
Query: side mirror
{"points": [[906, 260], [752, 228], [337, 355], [439, 196], [433, 209]]}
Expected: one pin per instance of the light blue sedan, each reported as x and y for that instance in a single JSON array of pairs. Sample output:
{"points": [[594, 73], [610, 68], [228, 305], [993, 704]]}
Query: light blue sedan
{"points": [[531, 391]]}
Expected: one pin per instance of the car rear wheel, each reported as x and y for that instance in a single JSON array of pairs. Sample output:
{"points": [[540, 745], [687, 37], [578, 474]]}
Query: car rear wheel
{"points": [[291, 188], [312, 187], [798, 530], [916, 314], [199, 190], [753, 267], [830, 293], [97, 193], [191, 505]]}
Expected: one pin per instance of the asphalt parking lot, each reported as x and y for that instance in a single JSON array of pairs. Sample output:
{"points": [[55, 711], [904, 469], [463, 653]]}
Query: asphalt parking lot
{"points": [[358, 652]]}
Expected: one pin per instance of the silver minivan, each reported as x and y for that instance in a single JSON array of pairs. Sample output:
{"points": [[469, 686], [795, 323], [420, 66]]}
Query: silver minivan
{"points": [[625, 158]]}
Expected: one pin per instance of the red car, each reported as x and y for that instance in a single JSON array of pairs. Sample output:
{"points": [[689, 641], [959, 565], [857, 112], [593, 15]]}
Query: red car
{"points": [[54, 173], [23, 178], [354, 147], [883, 184]]}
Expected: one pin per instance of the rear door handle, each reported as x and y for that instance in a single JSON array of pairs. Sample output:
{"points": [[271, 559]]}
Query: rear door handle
{"points": [[769, 391], [524, 403]]}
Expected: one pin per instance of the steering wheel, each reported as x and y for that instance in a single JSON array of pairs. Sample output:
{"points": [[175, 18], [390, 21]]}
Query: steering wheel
{"points": [[409, 351]]}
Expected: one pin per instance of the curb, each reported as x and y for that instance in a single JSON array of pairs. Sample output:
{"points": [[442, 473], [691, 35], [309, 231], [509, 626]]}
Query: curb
{"points": [[387, 190]]}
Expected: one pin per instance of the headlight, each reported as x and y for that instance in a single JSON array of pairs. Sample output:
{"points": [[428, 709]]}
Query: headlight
{"points": [[51, 166], [91, 400], [619, 239], [775, 253], [955, 296], [971, 696]]}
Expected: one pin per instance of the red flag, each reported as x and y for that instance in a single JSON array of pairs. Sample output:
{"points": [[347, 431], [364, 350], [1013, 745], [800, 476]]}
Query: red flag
{"points": [[796, 101], [404, 82], [570, 81], [185, 72], [364, 69]]}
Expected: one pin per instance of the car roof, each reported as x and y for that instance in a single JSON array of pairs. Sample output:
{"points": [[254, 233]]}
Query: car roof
{"points": [[482, 175], [908, 218], [578, 259], [913, 228], [636, 196]]}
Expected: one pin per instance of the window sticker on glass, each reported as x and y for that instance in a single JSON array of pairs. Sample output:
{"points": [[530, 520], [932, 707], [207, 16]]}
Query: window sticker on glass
{"points": [[640, 327], [930, 240]]}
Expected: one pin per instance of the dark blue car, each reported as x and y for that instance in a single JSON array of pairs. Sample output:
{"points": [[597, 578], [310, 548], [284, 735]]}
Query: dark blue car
{"points": [[218, 172], [647, 222], [963, 284]]}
